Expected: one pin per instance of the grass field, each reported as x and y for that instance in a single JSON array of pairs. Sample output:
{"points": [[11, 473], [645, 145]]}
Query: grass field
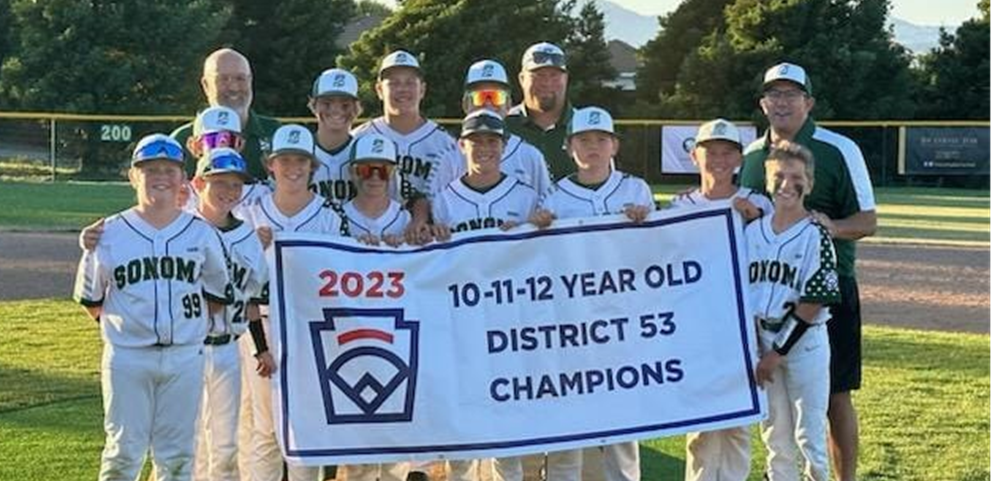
{"points": [[924, 408], [922, 215]]}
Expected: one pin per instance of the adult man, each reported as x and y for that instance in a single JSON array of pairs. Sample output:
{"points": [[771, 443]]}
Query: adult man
{"points": [[227, 81], [542, 117], [842, 201]]}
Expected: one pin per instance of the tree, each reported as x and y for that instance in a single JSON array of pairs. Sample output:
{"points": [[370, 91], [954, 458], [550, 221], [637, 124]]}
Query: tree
{"points": [[449, 36], [372, 7], [288, 43], [589, 60], [954, 81], [858, 71], [681, 32]]}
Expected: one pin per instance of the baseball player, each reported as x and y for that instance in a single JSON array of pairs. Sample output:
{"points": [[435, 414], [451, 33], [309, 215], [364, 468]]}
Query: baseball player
{"points": [[596, 189], [427, 156], [291, 207], [334, 101], [723, 454], [154, 277], [373, 217], [218, 182], [487, 87], [792, 276]]}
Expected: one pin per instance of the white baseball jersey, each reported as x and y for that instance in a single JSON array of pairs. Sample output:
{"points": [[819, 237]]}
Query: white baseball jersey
{"points": [[463, 208], [393, 221], [696, 198], [153, 284], [248, 273], [525, 162], [331, 180], [797, 265], [569, 199], [317, 216], [428, 159]]}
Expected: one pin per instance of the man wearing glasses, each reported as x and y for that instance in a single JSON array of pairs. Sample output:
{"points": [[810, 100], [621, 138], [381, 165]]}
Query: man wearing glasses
{"points": [[227, 81], [542, 117], [487, 88], [843, 202]]}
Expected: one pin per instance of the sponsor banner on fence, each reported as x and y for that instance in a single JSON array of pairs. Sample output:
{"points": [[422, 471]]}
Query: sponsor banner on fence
{"points": [[944, 151], [677, 142], [592, 332]]}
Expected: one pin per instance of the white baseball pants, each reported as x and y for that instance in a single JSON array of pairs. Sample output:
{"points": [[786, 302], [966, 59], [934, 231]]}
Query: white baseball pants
{"points": [[217, 440], [721, 455]]}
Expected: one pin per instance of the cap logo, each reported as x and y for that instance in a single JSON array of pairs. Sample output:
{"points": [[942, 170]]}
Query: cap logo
{"points": [[594, 118], [719, 129], [488, 71], [223, 118], [402, 57], [294, 137], [377, 147], [338, 80], [783, 70]]}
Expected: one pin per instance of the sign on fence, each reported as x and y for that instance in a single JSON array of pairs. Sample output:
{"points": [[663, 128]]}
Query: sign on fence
{"points": [[677, 142], [944, 151], [509, 343]]}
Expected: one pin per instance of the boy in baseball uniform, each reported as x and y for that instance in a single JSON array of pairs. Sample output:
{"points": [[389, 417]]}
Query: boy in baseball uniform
{"points": [[334, 102], [487, 88], [596, 189], [291, 207], [722, 455], [218, 182], [151, 282], [792, 278], [427, 156]]}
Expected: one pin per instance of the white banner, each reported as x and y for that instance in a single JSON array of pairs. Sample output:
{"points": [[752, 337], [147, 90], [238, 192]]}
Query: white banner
{"points": [[677, 142], [589, 333]]}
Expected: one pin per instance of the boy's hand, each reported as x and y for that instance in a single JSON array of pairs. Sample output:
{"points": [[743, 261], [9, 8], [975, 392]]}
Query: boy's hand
{"points": [[418, 232], [766, 367], [637, 213], [393, 240], [441, 233], [508, 225], [265, 365], [746, 209], [369, 239], [265, 236], [541, 218], [89, 237]]}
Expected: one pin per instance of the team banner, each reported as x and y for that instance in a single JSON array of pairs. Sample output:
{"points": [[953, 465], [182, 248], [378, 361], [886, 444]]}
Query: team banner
{"points": [[944, 151], [677, 142], [503, 343]]}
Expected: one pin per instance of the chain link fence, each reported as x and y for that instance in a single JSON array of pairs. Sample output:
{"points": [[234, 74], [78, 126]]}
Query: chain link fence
{"points": [[53, 147]]}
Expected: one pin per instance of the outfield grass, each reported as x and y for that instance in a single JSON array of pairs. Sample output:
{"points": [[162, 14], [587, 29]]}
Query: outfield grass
{"points": [[924, 407]]}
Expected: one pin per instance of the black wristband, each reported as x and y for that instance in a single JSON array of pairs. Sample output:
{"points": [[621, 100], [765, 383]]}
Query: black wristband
{"points": [[789, 335], [258, 336]]}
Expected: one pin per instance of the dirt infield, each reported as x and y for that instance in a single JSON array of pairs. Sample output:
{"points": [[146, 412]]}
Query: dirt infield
{"points": [[938, 288]]}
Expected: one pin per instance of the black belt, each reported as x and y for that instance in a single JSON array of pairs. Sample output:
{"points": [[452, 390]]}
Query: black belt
{"points": [[220, 340]]}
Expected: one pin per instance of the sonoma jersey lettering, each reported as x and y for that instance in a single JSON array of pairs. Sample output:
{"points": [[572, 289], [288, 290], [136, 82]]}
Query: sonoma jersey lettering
{"points": [[569, 199], [463, 208], [331, 179]]}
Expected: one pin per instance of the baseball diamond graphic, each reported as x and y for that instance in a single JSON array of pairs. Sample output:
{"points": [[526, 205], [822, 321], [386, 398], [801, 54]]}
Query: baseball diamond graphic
{"points": [[367, 362]]}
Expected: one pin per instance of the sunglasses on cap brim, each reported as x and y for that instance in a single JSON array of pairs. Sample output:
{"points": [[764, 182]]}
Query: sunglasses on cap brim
{"points": [[551, 59], [482, 124], [228, 163], [159, 150]]}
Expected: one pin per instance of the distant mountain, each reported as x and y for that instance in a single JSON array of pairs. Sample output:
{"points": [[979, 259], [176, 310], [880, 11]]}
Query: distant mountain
{"points": [[918, 38]]}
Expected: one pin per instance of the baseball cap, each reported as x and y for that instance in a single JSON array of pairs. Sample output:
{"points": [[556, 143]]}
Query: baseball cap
{"points": [[216, 119], [221, 161], [373, 148], [292, 139], [486, 71], [544, 54], [399, 58], [590, 118], [718, 129], [482, 122], [157, 147], [335, 82], [789, 72]]}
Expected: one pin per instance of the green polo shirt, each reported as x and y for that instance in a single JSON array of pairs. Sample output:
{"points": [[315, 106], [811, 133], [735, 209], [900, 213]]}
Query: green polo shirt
{"points": [[258, 134], [550, 142], [842, 185]]}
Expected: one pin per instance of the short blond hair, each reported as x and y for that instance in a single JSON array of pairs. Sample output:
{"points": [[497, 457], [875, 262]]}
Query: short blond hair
{"points": [[787, 150]]}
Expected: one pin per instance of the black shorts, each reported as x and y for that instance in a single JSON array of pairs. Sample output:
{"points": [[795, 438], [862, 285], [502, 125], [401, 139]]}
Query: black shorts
{"points": [[844, 338]]}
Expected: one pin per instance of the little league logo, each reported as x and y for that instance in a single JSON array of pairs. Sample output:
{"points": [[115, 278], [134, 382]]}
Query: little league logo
{"points": [[367, 361]]}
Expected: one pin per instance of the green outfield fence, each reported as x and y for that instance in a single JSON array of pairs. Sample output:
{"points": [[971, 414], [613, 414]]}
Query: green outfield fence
{"points": [[55, 146]]}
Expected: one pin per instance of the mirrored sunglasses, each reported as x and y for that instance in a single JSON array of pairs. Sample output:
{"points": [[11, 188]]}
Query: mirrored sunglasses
{"points": [[367, 171], [223, 138], [480, 98], [159, 149], [228, 162], [548, 58]]}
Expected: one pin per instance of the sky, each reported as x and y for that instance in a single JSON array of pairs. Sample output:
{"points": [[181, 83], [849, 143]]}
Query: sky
{"points": [[922, 12]]}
